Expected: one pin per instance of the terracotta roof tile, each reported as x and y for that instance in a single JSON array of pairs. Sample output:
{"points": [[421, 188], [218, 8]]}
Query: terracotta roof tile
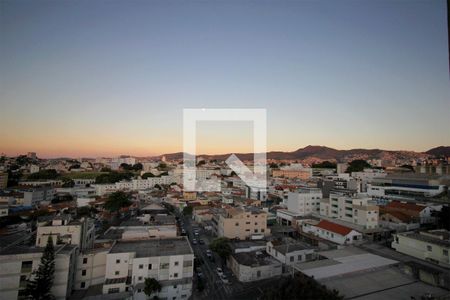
{"points": [[333, 227]]}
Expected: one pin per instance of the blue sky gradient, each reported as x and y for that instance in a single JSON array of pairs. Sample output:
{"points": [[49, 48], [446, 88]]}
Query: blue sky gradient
{"points": [[111, 77]]}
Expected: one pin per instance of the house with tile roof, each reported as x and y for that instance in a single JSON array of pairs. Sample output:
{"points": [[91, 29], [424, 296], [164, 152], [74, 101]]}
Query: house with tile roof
{"points": [[332, 232], [421, 213]]}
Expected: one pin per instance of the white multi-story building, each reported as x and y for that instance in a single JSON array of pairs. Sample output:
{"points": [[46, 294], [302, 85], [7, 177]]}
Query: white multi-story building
{"points": [[17, 264], [135, 184], [304, 201], [91, 267], [433, 245], [169, 261], [358, 210]]}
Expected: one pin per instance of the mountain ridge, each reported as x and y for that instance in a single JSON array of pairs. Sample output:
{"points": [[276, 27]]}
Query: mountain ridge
{"points": [[315, 152]]}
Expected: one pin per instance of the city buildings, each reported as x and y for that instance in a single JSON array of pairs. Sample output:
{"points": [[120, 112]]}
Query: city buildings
{"points": [[170, 261], [304, 201], [63, 229], [240, 223], [18, 263], [3, 180], [432, 245], [360, 210], [254, 265]]}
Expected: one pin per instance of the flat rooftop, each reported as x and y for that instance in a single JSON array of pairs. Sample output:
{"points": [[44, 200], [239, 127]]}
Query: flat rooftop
{"points": [[385, 283], [255, 259], [151, 248], [343, 261]]}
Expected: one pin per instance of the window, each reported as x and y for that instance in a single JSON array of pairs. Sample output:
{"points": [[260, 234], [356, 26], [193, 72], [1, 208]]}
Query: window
{"points": [[256, 223], [113, 290], [141, 266], [139, 291], [140, 278], [176, 263], [26, 266], [174, 286], [164, 266], [262, 230], [291, 258], [258, 274], [117, 261], [85, 260], [149, 266], [256, 230], [187, 263], [117, 273], [429, 248], [175, 275], [236, 224], [247, 223], [83, 273], [445, 252], [247, 229], [82, 285]]}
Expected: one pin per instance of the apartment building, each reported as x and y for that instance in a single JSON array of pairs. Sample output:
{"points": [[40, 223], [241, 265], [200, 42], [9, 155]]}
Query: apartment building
{"points": [[3, 180], [91, 266], [63, 229], [432, 245], [170, 261], [304, 201], [241, 223], [359, 210], [18, 263]]}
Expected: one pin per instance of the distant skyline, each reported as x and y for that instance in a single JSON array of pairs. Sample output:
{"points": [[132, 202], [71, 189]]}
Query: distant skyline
{"points": [[105, 78]]}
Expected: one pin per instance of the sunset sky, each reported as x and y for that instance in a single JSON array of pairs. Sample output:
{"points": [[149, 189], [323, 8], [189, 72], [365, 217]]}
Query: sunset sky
{"points": [[104, 78]]}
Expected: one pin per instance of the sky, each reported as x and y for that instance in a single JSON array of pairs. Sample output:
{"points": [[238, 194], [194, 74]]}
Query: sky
{"points": [[104, 78]]}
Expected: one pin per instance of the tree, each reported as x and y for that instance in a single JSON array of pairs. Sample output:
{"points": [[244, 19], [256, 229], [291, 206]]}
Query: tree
{"points": [[126, 167], [138, 167], [151, 286], [443, 217], [298, 287], [44, 174], [147, 175], [357, 165], [116, 201], [221, 247], [42, 279], [67, 182], [187, 211], [273, 165], [325, 165], [162, 166], [113, 177]]}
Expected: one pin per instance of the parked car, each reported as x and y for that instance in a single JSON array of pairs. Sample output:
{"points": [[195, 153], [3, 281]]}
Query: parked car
{"points": [[219, 271], [201, 242], [194, 242]]}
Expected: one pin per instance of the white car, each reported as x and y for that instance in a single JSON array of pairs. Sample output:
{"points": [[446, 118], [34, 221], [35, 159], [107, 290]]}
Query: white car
{"points": [[219, 272]]}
